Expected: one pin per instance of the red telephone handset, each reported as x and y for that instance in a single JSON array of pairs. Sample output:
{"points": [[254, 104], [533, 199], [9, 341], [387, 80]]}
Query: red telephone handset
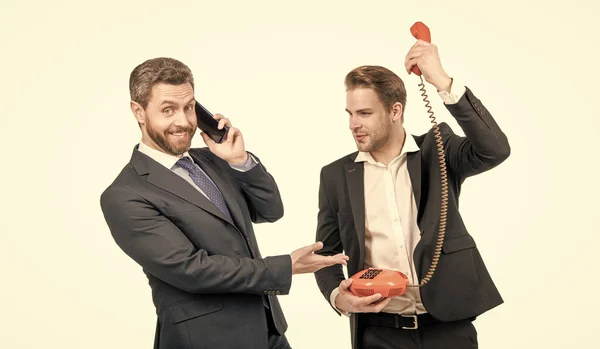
{"points": [[420, 32], [391, 283]]}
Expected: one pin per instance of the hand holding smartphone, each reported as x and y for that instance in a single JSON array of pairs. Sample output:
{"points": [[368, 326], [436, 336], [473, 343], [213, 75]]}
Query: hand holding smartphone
{"points": [[208, 124]]}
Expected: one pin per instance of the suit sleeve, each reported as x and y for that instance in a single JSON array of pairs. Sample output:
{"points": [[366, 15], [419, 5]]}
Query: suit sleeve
{"points": [[484, 146], [328, 232], [159, 247], [260, 192]]}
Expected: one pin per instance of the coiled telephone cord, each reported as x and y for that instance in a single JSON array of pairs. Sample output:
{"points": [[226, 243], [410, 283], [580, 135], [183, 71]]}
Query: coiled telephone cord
{"points": [[444, 181]]}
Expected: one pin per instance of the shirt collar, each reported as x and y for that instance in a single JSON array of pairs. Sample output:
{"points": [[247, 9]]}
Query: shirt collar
{"points": [[167, 160], [409, 146]]}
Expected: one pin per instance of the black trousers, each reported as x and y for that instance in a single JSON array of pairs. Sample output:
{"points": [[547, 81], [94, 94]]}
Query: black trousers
{"points": [[440, 335]]}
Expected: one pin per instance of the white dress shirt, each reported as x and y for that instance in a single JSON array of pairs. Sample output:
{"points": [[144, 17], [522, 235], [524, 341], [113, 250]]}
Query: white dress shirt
{"points": [[391, 230]]}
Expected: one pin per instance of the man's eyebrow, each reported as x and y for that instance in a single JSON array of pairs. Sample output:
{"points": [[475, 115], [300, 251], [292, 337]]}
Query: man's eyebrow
{"points": [[168, 101], [360, 110]]}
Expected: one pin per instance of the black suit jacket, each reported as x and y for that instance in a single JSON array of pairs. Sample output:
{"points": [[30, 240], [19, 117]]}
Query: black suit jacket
{"points": [[461, 287], [206, 274]]}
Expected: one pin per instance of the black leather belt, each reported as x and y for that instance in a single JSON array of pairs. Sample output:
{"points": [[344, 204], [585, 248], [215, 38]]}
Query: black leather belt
{"points": [[406, 322]]}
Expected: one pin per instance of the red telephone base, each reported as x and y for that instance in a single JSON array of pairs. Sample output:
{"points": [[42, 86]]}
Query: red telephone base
{"points": [[388, 283]]}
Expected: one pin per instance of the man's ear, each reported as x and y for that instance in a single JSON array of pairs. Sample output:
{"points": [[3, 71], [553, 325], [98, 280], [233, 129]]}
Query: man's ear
{"points": [[397, 112], [138, 112]]}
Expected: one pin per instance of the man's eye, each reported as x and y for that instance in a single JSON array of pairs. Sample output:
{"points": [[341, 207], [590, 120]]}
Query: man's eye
{"points": [[167, 110]]}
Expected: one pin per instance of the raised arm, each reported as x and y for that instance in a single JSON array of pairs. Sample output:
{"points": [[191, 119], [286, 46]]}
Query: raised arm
{"points": [[484, 145], [260, 190]]}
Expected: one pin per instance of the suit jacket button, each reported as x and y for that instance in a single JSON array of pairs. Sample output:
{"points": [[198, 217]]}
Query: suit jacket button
{"points": [[478, 108]]}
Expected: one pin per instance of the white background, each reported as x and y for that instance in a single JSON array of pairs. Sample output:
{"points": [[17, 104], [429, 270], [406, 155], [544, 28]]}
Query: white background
{"points": [[276, 70]]}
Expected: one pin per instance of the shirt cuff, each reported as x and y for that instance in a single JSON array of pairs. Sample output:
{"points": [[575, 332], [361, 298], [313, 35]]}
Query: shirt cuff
{"points": [[457, 90], [250, 163], [334, 294]]}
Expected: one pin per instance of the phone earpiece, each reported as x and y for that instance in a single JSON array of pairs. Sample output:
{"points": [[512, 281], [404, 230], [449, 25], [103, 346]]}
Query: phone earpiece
{"points": [[421, 32]]}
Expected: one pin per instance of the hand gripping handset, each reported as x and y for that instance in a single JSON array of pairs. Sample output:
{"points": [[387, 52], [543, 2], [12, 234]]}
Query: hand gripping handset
{"points": [[391, 283], [420, 32]]}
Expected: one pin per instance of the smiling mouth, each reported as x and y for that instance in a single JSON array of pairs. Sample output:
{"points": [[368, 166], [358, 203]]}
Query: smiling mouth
{"points": [[179, 134]]}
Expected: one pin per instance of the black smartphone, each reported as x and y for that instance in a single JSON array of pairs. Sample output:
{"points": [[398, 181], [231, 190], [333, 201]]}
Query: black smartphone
{"points": [[209, 125]]}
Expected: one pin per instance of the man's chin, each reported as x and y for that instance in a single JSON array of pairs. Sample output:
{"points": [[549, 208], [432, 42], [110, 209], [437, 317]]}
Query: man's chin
{"points": [[178, 148], [363, 147], [181, 150]]}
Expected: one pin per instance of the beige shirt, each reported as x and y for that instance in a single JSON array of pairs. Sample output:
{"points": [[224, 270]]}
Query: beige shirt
{"points": [[391, 230]]}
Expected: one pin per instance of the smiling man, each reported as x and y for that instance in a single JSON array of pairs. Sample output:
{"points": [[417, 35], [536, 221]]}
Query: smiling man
{"points": [[381, 205], [185, 216]]}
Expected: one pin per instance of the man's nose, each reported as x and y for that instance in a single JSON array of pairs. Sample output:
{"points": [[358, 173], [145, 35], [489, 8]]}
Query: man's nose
{"points": [[354, 124], [181, 118]]}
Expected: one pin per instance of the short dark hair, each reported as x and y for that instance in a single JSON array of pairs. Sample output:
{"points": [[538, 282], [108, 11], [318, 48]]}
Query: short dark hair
{"points": [[387, 85], [153, 71]]}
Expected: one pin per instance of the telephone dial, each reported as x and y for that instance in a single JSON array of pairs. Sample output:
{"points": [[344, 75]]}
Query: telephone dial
{"points": [[391, 283]]}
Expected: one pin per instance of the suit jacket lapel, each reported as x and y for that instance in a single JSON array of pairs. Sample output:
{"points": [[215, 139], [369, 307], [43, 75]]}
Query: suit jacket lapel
{"points": [[163, 178], [356, 190], [414, 170], [171, 182], [226, 190]]}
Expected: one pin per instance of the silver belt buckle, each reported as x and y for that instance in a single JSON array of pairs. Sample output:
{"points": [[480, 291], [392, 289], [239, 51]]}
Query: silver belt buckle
{"points": [[416, 322]]}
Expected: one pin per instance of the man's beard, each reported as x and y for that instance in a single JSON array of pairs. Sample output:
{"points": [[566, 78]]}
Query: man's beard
{"points": [[377, 139], [176, 146]]}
